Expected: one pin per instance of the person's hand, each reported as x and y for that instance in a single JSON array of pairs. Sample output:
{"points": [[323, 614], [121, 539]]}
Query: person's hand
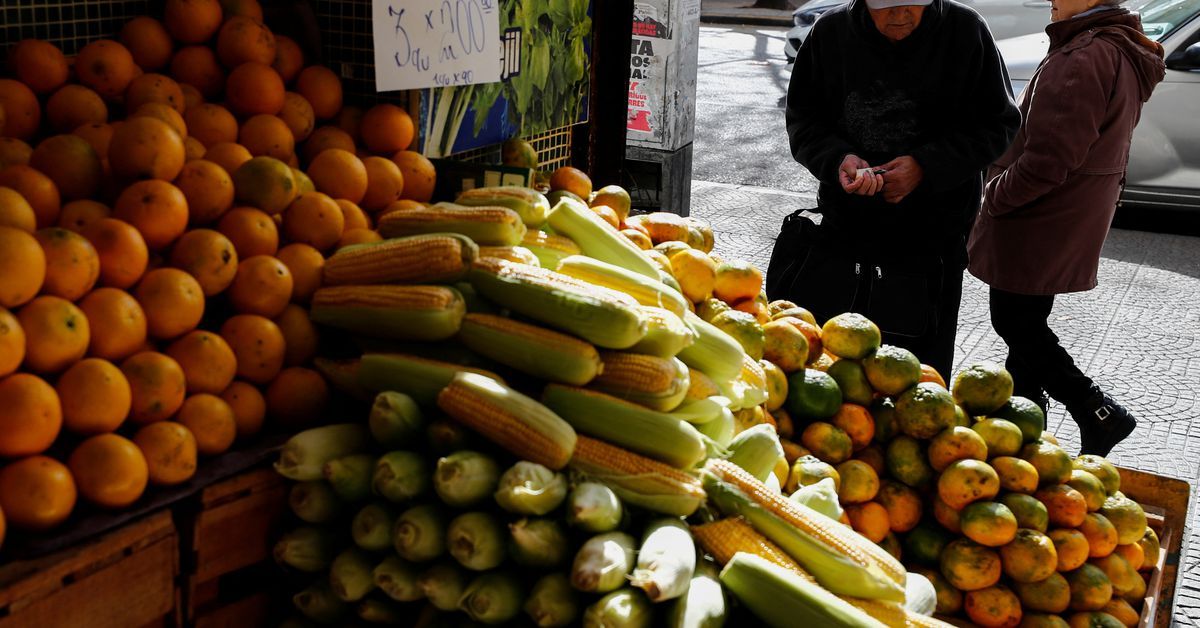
{"points": [[856, 178], [903, 175]]}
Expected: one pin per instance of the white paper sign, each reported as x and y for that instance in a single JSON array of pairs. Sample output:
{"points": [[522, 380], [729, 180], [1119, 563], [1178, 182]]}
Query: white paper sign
{"points": [[435, 43]]}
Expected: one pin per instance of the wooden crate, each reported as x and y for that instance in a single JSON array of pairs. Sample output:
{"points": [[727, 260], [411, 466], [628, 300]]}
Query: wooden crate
{"points": [[227, 550], [1165, 501], [123, 578]]}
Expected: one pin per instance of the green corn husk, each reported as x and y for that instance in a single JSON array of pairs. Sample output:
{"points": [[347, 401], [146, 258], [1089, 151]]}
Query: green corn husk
{"points": [[666, 561], [701, 411], [380, 611], [395, 420], [315, 502], [401, 476], [465, 478], [304, 455], [443, 584], [420, 533], [350, 476], [552, 603], [594, 507], [540, 543], [666, 333], [703, 606], [492, 598], [350, 575], [528, 488], [397, 579], [446, 436], [603, 562], [319, 604], [757, 450], [343, 375], [781, 598], [626, 608], [821, 497], [476, 540], [372, 527], [720, 429], [307, 548]]}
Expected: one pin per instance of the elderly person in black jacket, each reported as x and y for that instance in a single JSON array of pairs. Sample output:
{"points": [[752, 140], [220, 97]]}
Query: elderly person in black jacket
{"points": [[897, 107]]}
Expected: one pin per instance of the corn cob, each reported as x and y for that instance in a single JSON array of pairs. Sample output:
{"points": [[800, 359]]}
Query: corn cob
{"points": [[655, 434], [757, 451], [343, 375], [657, 383], [419, 378], [917, 620], [888, 613], [666, 334], [646, 291], [782, 599], [496, 226], [515, 254], [543, 353], [605, 318], [399, 312], [637, 480], [529, 204], [840, 559], [515, 422], [700, 386], [549, 248], [597, 238], [433, 258], [725, 537], [715, 353]]}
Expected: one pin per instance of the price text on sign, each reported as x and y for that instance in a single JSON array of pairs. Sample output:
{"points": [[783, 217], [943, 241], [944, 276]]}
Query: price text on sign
{"points": [[435, 43]]}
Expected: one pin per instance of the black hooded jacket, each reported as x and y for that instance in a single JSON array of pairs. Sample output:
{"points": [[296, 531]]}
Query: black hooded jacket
{"points": [[940, 95]]}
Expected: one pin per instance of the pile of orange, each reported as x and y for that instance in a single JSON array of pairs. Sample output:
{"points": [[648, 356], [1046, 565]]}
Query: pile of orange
{"points": [[159, 240]]}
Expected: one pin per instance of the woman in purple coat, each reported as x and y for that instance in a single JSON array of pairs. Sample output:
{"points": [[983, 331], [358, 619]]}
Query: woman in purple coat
{"points": [[1050, 199]]}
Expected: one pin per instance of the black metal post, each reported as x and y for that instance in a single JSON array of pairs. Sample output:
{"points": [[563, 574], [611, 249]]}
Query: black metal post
{"points": [[599, 146]]}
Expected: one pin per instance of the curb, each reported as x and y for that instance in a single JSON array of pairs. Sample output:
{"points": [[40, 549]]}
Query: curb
{"points": [[741, 17]]}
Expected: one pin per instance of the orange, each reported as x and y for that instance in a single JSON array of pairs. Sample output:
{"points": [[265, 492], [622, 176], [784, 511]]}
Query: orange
{"points": [[263, 286], [639, 238], [386, 128], [826, 442], [12, 150], [208, 257], [349, 119], [607, 214], [856, 422], [869, 519], [165, 113], [1091, 588], [1072, 548], [192, 149], [299, 334], [1101, 534], [38, 189], [1134, 554], [340, 174], [72, 265], [419, 175], [249, 408], [737, 280], [969, 566], [207, 361], [198, 66], [903, 505], [289, 58], [36, 493], [297, 398], [173, 302], [354, 217], [39, 64], [306, 265], [385, 183], [211, 124], [321, 87], [246, 8], [22, 114], [98, 135], [157, 209], [1015, 474], [254, 88], [696, 274], [30, 415], [122, 251], [297, 114], [966, 481], [157, 385], [148, 42], [73, 106], [170, 451], [871, 454], [191, 97], [154, 88], [228, 155], [117, 323], [958, 443], [572, 180], [1051, 595], [314, 219], [56, 334], [78, 215], [208, 189], [993, 607], [251, 231], [71, 163], [860, 482], [1066, 506], [15, 211], [358, 236], [12, 342], [22, 267], [266, 183], [110, 470], [258, 344], [988, 523], [192, 21], [146, 148], [242, 39], [211, 422], [105, 66], [267, 135], [327, 137]]}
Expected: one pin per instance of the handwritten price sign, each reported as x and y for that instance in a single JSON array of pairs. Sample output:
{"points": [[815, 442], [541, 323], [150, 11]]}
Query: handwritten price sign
{"points": [[435, 43]]}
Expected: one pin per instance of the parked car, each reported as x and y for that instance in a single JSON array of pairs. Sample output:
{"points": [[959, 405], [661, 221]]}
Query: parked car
{"points": [[1005, 18], [1164, 158]]}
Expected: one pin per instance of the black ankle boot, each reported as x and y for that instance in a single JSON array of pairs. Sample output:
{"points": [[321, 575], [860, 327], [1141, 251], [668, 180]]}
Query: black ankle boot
{"points": [[1102, 423], [1037, 396]]}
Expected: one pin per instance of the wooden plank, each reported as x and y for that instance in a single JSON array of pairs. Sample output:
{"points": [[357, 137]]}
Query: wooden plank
{"points": [[237, 525], [248, 611], [1166, 503]]}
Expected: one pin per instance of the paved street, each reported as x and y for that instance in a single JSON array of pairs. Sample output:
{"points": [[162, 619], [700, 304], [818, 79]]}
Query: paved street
{"points": [[1137, 334]]}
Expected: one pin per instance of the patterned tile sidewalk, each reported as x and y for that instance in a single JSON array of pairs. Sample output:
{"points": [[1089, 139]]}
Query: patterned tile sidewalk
{"points": [[1137, 334]]}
